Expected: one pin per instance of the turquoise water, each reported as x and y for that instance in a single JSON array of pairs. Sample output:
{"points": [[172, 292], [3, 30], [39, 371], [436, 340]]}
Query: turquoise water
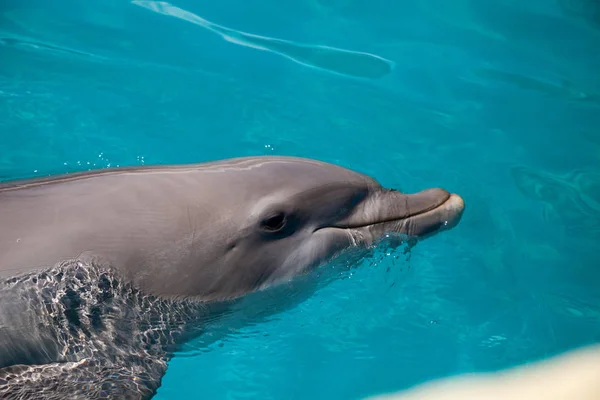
{"points": [[497, 101]]}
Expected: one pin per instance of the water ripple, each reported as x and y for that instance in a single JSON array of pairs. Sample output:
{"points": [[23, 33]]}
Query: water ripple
{"points": [[35, 45], [564, 89], [334, 60]]}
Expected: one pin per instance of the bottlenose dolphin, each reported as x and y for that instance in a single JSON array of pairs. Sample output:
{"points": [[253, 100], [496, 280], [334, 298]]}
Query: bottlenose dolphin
{"points": [[105, 273]]}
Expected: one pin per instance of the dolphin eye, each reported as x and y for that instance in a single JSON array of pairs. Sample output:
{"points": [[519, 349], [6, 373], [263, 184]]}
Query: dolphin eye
{"points": [[274, 223]]}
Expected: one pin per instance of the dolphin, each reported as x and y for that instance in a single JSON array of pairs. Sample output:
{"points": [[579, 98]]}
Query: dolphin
{"points": [[105, 273]]}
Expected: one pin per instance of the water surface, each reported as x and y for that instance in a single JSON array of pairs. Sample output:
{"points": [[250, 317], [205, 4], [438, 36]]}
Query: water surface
{"points": [[497, 100]]}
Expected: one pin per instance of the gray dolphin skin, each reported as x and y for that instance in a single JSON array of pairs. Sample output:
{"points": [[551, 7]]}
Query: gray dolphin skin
{"points": [[104, 274]]}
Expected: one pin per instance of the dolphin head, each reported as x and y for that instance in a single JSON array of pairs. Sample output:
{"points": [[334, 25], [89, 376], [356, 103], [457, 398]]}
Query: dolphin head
{"points": [[211, 231], [301, 214]]}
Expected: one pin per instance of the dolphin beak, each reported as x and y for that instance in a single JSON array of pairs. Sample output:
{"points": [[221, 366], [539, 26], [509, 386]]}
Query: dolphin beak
{"points": [[420, 214], [444, 216]]}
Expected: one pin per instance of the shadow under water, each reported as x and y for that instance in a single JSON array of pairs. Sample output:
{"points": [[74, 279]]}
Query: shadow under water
{"points": [[573, 199]]}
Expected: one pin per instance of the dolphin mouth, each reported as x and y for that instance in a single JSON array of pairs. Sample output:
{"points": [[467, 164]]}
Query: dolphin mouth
{"points": [[443, 217], [419, 214]]}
